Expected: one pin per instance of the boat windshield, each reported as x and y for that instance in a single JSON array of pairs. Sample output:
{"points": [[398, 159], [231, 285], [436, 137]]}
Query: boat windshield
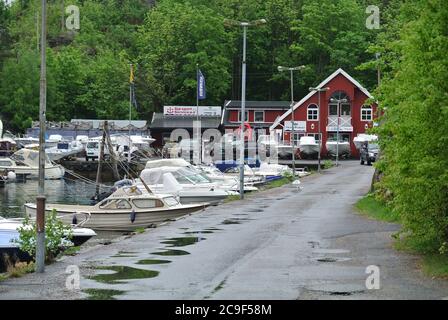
{"points": [[171, 201], [188, 176], [115, 204]]}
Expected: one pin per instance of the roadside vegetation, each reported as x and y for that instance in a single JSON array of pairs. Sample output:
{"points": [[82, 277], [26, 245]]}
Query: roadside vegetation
{"points": [[412, 172], [434, 264]]}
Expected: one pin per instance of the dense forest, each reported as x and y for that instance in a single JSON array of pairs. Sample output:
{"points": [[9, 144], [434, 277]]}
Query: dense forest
{"points": [[88, 73], [88, 69]]}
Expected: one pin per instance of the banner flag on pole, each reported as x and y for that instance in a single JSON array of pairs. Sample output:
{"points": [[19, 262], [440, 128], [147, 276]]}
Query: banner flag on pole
{"points": [[201, 86], [132, 88]]}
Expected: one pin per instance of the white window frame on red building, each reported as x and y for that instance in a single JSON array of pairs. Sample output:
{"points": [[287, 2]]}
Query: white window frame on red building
{"points": [[369, 110], [314, 112]]}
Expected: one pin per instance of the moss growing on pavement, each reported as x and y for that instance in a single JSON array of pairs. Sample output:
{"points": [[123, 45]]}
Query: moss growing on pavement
{"points": [[102, 294]]}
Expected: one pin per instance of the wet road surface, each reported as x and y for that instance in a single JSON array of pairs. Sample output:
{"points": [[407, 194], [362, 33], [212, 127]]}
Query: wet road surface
{"points": [[276, 244]]}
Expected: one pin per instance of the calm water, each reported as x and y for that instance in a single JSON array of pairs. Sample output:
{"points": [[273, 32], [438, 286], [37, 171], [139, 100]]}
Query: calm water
{"points": [[14, 195]]}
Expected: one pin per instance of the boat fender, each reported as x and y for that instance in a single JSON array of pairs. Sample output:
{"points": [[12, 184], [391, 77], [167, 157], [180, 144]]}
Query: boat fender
{"points": [[133, 215], [74, 219]]}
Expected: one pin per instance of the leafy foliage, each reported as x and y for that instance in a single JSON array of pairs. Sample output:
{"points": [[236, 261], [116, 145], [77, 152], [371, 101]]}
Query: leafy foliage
{"points": [[57, 236], [414, 128], [88, 70]]}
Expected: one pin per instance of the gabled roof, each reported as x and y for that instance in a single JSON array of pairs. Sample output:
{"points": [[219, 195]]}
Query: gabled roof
{"points": [[160, 121], [322, 84], [236, 104]]}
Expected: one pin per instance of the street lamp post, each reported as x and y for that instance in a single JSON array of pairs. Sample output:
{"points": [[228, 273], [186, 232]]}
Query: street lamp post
{"points": [[319, 90], [338, 101], [244, 25], [291, 70]]}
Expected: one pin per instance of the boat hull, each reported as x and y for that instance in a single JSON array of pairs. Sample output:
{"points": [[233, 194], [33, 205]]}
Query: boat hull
{"points": [[119, 220], [309, 149], [51, 173], [333, 148]]}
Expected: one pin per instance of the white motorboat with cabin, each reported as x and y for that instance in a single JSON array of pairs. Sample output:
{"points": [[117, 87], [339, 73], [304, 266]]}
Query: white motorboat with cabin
{"points": [[64, 149], [189, 185], [308, 145], [26, 162], [362, 138], [126, 209], [342, 148]]}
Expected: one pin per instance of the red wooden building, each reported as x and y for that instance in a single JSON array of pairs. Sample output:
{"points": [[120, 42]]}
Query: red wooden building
{"points": [[356, 116], [259, 114]]}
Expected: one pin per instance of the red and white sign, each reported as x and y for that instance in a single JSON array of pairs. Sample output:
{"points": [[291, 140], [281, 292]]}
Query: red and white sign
{"points": [[191, 111]]}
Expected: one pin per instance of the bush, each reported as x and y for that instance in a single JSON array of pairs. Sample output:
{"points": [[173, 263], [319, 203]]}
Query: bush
{"points": [[57, 236], [328, 164]]}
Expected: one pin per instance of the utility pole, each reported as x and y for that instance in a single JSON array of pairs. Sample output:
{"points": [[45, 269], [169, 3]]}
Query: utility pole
{"points": [[40, 200], [244, 25], [280, 68], [319, 90], [101, 158], [338, 101]]}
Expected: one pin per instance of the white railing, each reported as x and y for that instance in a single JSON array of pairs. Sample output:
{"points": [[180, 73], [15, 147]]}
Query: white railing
{"points": [[345, 123]]}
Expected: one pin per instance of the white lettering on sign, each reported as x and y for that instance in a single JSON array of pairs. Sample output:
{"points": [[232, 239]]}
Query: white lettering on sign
{"points": [[299, 126], [191, 110]]}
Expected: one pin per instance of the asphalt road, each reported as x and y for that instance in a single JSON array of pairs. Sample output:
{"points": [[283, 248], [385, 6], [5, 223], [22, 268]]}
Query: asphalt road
{"points": [[276, 244]]}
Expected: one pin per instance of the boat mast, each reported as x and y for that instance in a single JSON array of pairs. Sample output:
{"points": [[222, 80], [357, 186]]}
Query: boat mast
{"points": [[40, 200], [100, 159]]}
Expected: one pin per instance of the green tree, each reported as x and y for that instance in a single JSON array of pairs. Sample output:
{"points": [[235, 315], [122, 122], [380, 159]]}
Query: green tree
{"points": [[413, 132]]}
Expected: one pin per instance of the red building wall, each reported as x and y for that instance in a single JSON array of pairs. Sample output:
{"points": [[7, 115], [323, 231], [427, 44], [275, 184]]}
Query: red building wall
{"points": [[357, 100]]}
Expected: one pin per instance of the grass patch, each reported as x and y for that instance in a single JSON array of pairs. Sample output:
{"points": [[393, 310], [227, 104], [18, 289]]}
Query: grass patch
{"points": [[3, 276], [232, 197], [20, 269], [328, 164], [278, 183], [139, 230], [102, 294], [435, 265], [71, 251], [432, 264], [374, 209]]}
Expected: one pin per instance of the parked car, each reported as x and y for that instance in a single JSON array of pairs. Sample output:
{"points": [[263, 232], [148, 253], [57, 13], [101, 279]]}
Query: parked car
{"points": [[369, 153]]}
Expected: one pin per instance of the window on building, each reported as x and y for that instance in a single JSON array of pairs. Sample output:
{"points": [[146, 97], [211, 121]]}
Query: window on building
{"points": [[297, 137], [333, 110], [246, 116], [332, 136], [259, 116], [315, 135], [313, 112], [366, 113], [345, 109]]}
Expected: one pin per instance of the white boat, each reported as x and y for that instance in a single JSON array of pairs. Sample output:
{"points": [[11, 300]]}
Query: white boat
{"points": [[187, 184], [126, 209], [9, 234], [26, 162], [308, 145], [214, 175], [64, 149], [343, 147], [361, 138]]}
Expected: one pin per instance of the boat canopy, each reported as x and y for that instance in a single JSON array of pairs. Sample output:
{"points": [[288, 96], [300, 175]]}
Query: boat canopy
{"points": [[28, 157], [175, 162]]}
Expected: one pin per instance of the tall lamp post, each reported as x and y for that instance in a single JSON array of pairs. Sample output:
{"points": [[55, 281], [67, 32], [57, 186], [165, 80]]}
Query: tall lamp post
{"points": [[40, 200], [319, 90], [291, 70], [338, 101], [244, 25]]}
